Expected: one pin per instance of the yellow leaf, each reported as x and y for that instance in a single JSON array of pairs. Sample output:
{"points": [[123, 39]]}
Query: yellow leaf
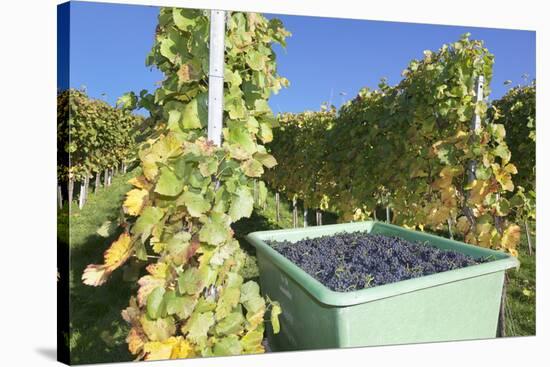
{"points": [[136, 340], [116, 255], [157, 270], [478, 192], [140, 182], [119, 252], [135, 200], [463, 224], [157, 351], [471, 238], [437, 214], [183, 349], [510, 237], [511, 168], [448, 196], [171, 348]]}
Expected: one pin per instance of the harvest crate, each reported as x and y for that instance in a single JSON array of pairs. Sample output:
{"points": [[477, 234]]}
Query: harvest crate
{"points": [[453, 305]]}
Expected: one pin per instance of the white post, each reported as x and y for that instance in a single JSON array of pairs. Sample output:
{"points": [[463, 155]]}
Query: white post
{"points": [[81, 196], [215, 76], [476, 124], [59, 197], [305, 216]]}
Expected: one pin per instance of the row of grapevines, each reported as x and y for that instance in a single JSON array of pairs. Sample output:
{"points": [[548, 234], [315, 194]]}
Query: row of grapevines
{"points": [[92, 134], [516, 110], [408, 146], [193, 302], [295, 154]]}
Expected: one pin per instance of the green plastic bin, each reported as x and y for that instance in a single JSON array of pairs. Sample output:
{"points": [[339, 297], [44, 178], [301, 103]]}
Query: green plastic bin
{"points": [[453, 305]]}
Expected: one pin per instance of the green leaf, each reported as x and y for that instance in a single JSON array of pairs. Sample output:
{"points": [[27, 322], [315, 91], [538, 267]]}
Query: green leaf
{"points": [[178, 247], [231, 324], [148, 218], [214, 233], [181, 306], [252, 168], [190, 282], [240, 136], [227, 301], [252, 340], [242, 204], [197, 327], [154, 302], [159, 329], [261, 106], [166, 48], [275, 312], [184, 18], [168, 183], [228, 346], [266, 159], [255, 60], [262, 192], [195, 114], [503, 152], [196, 203]]}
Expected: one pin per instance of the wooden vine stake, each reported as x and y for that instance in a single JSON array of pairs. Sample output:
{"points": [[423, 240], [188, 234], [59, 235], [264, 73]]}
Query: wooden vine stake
{"points": [[319, 217], [97, 181], [388, 219], [70, 188], [305, 216], [59, 197]]}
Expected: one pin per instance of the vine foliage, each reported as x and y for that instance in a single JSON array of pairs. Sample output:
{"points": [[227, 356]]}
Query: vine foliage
{"points": [[408, 147], [92, 134], [193, 302], [516, 110]]}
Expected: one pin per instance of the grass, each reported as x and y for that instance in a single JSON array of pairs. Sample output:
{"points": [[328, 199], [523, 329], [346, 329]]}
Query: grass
{"points": [[521, 294], [97, 330]]}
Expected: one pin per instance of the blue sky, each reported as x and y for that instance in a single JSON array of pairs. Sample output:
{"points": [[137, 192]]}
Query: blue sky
{"points": [[324, 57]]}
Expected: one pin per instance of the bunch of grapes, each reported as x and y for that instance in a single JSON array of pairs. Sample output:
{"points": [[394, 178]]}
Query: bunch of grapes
{"points": [[351, 261]]}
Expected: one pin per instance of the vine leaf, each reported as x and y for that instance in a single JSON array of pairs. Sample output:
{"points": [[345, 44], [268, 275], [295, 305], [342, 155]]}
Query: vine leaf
{"points": [[196, 328], [196, 203], [214, 232], [252, 168], [159, 329], [174, 347], [275, 312], [168, 183], [242, 204], [228, 346], [115, 256], [135, 200]]}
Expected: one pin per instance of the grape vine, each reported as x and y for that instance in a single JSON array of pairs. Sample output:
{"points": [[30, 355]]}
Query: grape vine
{"points": [[408, 147], [193, 302], [95, 135]]}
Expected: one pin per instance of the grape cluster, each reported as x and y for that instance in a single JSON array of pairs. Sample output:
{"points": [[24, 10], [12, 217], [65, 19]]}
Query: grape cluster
{"points": [[351, 261]]}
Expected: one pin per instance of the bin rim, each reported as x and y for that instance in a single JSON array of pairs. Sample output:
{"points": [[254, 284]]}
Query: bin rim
{"points": [[327, 296]]}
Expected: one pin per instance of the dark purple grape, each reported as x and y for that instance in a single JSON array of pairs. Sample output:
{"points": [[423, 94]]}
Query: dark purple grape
{"points": [[351, 261]]}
